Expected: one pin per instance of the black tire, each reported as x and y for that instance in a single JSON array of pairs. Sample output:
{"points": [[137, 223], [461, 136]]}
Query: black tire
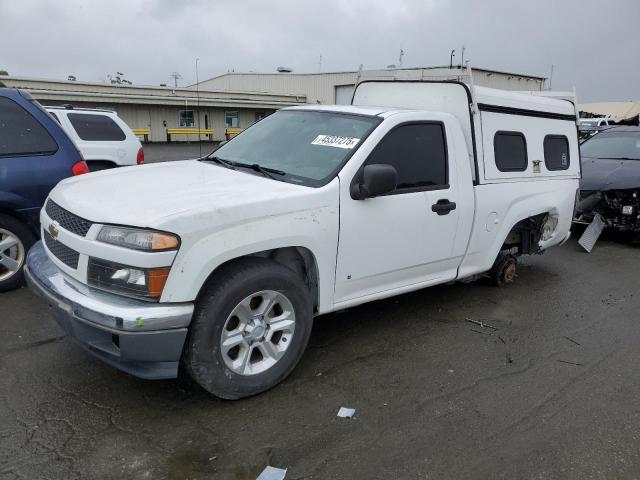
{"points": [[234, 282], [27, 239], [503, 271]]}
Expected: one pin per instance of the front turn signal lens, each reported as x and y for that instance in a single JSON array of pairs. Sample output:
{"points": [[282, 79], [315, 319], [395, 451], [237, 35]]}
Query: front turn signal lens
{"points": [[157, 278]]}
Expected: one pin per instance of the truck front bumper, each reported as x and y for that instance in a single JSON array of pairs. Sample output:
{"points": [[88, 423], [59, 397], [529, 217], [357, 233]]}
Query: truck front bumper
{"points": [[141, 338]]}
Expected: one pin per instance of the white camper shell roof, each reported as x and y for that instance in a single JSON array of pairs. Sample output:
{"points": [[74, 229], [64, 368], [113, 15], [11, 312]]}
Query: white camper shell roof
{"points": [[471, 106]]}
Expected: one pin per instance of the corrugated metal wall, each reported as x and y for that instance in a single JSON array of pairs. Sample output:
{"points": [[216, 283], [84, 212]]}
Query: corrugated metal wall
{"points": [[321, 88], [154, 116]]}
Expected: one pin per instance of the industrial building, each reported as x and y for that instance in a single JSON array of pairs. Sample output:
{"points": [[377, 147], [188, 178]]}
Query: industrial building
{"points": [[627, 113], [337, 87], [155, 111], [224, 105]]}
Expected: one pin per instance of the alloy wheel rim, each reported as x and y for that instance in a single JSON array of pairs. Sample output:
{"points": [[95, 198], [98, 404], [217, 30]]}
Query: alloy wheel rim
{"points": [[258, 332], [11, 254]]}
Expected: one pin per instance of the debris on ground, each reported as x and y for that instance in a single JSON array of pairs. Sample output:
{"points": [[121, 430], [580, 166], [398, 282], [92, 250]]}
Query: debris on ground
{"points": [[592, 233], [480, 323], [272, 473], [508, 358], [571, 363], [345, 412], [572, 340]]}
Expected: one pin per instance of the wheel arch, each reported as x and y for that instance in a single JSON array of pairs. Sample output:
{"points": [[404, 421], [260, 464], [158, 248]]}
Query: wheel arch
{"points": [[300, 259], [22, 218]]}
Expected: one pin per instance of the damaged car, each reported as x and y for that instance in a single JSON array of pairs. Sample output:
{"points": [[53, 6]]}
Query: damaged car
{"points": [[610, 185]]}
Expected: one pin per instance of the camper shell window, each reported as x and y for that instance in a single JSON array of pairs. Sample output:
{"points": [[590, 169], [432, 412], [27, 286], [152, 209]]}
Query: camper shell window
{"points": [[556, 152], [510, 150]]}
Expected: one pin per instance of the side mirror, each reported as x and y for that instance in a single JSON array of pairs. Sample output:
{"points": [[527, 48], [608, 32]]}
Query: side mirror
{"points": [[377, 179]]}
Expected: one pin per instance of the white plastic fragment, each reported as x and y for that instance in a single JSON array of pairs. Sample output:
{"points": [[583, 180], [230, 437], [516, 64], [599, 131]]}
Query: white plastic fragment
{"points": [[592, 233], [345, 412], [272, 473]]}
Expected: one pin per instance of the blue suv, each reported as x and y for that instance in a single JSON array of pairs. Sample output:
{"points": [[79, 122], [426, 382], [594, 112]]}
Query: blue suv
{"points": [[35, 154]]}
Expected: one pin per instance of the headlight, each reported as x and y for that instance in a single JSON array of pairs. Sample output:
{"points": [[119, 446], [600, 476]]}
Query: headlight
{"points": [[146, 240], [144, 283]]}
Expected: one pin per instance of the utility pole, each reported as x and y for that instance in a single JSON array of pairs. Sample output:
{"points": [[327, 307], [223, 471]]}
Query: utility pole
{"points": [[462, 57], [198, 107], [551, 77], [176, 76]]}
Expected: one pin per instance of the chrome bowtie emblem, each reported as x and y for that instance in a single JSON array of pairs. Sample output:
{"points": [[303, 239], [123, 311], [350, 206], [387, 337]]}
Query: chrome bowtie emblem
{"points": [[53, 231]]}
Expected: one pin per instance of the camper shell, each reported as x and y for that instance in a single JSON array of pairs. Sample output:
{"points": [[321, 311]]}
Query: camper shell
{"points": [[484, 112]]}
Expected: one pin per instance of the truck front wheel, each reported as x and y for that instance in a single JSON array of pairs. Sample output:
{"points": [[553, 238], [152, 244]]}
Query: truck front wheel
{"points": [[251, 325]]}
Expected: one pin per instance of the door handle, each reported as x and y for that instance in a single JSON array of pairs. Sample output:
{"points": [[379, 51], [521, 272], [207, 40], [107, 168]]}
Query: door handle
{"points": [[443, 206]]}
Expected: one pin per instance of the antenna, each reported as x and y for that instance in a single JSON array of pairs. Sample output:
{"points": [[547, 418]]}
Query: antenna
{"points": [[198, 107], [359, 74], [176, 76], [320, 64]]}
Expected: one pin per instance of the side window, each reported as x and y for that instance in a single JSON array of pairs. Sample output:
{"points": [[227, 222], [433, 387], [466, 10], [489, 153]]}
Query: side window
{"points": [[186, 118], [21, 134], [556, 152], [419, 154], [510, 150], [95, 127], [231, 119]]}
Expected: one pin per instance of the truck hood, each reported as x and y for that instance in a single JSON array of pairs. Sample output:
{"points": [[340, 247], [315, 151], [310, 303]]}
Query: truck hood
{"points": [[609, 174], [158, 195]]}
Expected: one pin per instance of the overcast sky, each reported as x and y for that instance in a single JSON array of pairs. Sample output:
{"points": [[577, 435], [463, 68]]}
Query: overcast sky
{"points": [[594, 45]]}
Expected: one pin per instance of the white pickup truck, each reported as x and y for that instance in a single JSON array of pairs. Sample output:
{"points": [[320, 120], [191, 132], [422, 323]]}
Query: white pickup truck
{"points": [[220, 264]]}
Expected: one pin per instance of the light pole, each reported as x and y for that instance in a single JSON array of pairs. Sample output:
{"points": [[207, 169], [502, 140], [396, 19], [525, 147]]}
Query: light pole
{"points": [[198, 107], [453, 54]]}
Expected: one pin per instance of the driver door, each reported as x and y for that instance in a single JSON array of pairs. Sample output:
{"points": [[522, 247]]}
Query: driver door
{"points": [[397, 241]]}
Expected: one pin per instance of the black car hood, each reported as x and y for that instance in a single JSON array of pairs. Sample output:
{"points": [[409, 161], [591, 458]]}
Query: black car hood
{"points": [[609, 174]]}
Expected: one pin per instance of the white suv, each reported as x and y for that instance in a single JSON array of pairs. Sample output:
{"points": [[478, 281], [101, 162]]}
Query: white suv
{"points": [[104, 140]]}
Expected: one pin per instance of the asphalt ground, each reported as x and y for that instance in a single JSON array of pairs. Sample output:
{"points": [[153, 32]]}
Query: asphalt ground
{"points": [[548, 388], [164, 152]]}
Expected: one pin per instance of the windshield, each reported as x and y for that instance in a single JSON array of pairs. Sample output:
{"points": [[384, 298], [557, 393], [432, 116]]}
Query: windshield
{"points": [[614, 145], [308, 146]]}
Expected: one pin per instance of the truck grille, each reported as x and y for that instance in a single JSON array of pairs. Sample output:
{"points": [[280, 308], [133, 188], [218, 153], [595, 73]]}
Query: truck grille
{"points": [[66, 255], [68, 220]]}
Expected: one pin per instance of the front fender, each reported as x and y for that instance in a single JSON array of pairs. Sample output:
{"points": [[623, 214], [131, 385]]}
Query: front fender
{"points": [[314, 229]]}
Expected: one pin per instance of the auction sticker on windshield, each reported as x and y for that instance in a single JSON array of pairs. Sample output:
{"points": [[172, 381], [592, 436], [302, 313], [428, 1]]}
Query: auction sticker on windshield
{"points": [[336, 141]]}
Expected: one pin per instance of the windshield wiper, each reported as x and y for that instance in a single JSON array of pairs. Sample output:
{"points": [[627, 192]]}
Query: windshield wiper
{"points": [[220, 161], [266, 171]]}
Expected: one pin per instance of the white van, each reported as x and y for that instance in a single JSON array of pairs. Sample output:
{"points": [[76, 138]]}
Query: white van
{"points": [[313, 209], [104, 140]]}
